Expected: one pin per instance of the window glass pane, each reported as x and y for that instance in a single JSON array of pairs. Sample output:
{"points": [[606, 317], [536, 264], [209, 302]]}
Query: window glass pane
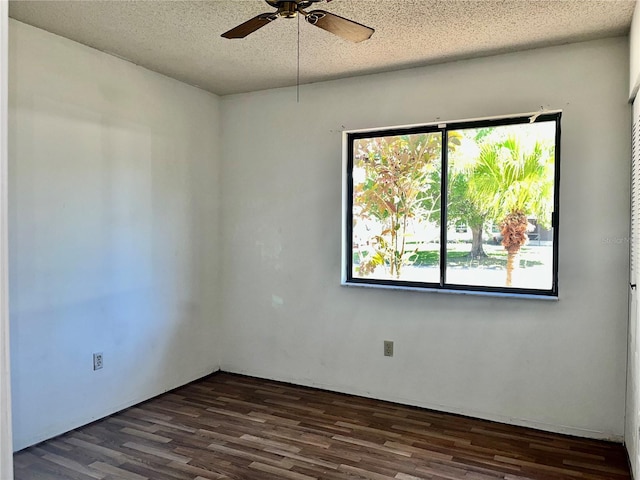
{"points": [[396, 207], [500, 200]]}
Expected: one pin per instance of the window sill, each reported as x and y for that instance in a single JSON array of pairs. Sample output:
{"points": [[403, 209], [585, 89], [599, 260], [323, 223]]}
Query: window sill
{"points": [[450, 291]]}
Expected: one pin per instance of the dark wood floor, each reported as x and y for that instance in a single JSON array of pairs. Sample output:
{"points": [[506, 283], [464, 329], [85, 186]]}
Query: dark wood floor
{"points": [[234, 427]]}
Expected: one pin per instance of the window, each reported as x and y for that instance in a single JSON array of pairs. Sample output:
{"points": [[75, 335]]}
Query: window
{"points": [[467, 206]]}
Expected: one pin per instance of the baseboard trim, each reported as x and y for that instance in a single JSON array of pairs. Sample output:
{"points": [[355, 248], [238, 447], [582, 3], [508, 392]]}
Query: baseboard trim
{"points": [[629, 461]]}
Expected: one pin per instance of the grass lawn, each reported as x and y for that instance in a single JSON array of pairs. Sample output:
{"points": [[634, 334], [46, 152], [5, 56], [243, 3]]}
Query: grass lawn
{"points": [[458, 256]]}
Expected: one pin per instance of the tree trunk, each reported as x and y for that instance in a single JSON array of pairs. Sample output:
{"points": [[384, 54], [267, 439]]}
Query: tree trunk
{"points": [[477, 251], [514, 236], [511, 265]]}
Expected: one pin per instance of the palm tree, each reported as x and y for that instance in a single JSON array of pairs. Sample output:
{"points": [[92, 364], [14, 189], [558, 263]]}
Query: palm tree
{"points": [[515, 181]]}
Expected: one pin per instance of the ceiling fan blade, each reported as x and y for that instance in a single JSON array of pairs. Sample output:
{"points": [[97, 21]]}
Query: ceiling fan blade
{"points": [[340, 26], [250, 26]]}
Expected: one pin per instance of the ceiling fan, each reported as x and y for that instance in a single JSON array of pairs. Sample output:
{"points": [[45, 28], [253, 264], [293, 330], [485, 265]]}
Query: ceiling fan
{"points": [[340, 26]]}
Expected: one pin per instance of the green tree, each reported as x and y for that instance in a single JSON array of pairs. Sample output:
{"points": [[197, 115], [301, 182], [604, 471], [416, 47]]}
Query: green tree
{"points": [[462, 206], [515, 180]]}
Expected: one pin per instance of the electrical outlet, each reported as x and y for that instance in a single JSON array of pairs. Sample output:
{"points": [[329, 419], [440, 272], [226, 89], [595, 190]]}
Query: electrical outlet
{"points": [[97, 361], [388, 348]]}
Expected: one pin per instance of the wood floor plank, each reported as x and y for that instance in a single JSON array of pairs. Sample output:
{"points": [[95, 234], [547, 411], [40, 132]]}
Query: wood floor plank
{"points": [[73, 465], [232, 427], [116, 471]]}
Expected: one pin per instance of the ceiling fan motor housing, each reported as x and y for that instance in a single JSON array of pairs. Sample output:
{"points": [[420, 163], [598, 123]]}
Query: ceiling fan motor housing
{"points": [[288, 9]]}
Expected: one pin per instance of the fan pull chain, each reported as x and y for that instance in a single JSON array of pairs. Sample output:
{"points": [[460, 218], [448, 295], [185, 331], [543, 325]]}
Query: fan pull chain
{"points": [[298, 70]]}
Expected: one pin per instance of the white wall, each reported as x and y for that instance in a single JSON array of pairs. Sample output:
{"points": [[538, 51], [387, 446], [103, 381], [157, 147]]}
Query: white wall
{"points": [[634, 53], [553, 365], [6, 438], [114, 233]]}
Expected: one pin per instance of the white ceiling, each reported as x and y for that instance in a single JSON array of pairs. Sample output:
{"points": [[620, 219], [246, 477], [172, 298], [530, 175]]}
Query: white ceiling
{"points": [[181, 39]]}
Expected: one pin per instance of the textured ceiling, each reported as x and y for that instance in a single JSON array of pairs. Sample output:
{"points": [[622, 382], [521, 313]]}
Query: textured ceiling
{"points": [[181, 39]]}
